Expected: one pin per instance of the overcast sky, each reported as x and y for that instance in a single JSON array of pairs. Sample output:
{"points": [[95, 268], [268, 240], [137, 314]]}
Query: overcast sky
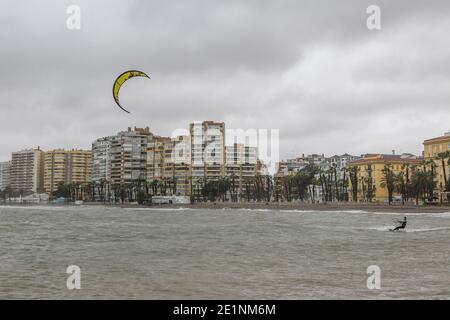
{"points": [[311, 69]]}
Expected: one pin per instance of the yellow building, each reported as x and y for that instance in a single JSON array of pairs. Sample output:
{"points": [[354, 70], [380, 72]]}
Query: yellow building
{"points": [[61, 166], [177, 168], [241, 165], [168, 163], [370, 176], [438, 150], [155, 158]]}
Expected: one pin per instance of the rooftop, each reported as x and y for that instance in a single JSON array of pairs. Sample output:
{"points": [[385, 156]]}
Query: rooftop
{"points": [[444, 138], [402, 158]]}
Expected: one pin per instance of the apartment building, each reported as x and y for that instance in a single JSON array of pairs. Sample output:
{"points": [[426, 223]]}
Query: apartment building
{"points": [[370, 175], [66, 166], [177, 165], [438, 150], [5, 174], [27, 170], [168, 165], [156, 158], [128, 155], [101, 159], [172, 166], [240, 165], [207, 153]]}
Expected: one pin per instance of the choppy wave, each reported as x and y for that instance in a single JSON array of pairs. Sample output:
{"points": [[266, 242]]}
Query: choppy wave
{"points": [[39, 207], [155, 253]]}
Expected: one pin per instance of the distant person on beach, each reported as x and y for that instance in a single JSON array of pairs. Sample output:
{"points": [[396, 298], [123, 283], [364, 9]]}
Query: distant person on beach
{"points": [[402, 224]]}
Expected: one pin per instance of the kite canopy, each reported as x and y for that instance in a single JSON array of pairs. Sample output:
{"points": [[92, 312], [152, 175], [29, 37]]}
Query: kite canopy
{"points": [[120, 81]]}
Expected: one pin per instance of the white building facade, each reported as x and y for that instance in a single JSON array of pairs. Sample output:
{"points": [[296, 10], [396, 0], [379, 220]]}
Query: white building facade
{"points": [[5, 175]]}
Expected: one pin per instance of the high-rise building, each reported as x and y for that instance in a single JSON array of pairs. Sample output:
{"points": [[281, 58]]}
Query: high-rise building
{"points": [[101, 159], [128, 155], [177, 165], [5, 174], [241, 165], [27, 170], [117, 160], [71, 166], [172, 166], [207, 153], [156, 158], [168, 165]]}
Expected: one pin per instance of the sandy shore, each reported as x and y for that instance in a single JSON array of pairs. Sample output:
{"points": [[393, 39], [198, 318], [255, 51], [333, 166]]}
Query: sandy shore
{"points": [[323, 207], [371, 207]]}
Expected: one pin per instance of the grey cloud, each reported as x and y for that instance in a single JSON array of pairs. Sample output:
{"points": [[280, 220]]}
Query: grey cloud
{"points": [[310, 68]]}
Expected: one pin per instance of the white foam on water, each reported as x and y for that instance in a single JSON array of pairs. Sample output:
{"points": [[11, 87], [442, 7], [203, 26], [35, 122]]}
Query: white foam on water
{"points": [[320, 211], [446, 214], [385, 228], [440, 214], [426, 229], [347, 211], [158, 209], [422, 214], [296, 210], [255, 210], [401, 213]]}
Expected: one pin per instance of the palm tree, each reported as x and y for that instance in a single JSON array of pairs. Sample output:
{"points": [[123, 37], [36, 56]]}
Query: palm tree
{"points": [[248, 192], [105, 190], [430, 163], [7, 193], [233, 187], [422, 185], [401, 186], [371, 188], [100, 189], [287, 188], [269, 187], [277, 188], [443, 156], [388, 181], [353, 177], [115, 191], [344, 185]]}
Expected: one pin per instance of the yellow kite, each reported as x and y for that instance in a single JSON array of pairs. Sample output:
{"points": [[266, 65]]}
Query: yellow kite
{"points": [[121, 79]]}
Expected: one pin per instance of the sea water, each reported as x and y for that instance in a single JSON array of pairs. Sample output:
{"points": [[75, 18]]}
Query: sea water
{"points": [[185, 253]]}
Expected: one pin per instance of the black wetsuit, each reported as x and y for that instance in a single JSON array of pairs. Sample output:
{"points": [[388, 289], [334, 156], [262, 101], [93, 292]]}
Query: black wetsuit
{"points": [[402, 226]]}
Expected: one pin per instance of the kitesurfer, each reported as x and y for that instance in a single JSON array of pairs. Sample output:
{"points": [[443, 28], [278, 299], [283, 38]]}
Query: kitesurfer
{"points": [[402, 224]]}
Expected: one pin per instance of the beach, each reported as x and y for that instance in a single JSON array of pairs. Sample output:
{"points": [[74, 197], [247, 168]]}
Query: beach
{"points": [[370, 207]]}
